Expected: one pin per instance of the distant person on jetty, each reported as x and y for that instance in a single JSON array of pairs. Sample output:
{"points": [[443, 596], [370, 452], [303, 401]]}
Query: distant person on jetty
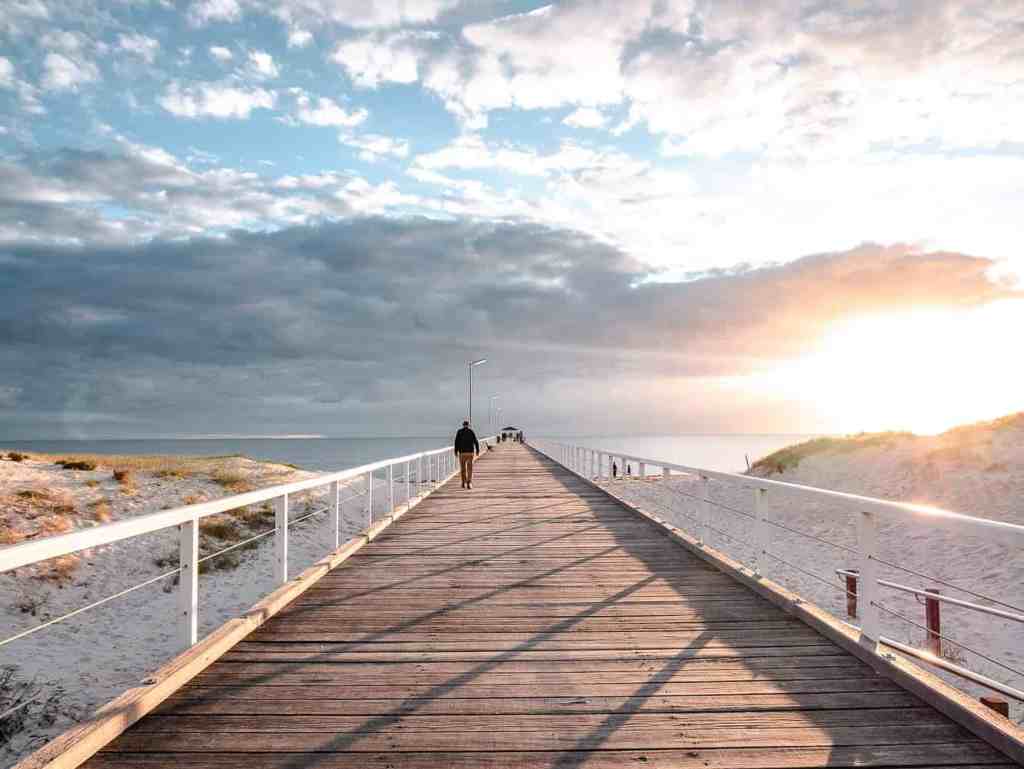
{"points": [[466, 447]]}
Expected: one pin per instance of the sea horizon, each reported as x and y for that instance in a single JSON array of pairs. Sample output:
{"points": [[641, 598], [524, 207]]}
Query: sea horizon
{"points": [[714, 451]]}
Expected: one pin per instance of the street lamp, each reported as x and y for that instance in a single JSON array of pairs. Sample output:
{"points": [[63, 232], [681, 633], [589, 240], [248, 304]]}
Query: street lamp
{"points": [[472, 365], [490, 408]]}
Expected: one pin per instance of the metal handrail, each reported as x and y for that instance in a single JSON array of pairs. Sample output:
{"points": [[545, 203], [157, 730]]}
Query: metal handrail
{"points": [[441, 465], [597, 464]]}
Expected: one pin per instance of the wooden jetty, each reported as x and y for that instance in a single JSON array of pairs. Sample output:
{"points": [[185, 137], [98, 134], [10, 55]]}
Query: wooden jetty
{"points": [[537, 622]]}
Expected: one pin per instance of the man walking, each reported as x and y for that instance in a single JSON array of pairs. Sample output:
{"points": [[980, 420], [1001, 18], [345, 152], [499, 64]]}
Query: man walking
{"points": [[466, 447]]}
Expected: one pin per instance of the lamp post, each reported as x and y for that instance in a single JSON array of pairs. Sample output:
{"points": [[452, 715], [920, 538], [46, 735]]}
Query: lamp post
{"points": [[490, 409], [472, 365]]}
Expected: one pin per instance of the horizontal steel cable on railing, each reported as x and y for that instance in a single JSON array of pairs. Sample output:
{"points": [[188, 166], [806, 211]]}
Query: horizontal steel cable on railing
{"points": [[933, 634], [811, 574], [165, 575], [811, 536], [92, 605], [944, 583]]}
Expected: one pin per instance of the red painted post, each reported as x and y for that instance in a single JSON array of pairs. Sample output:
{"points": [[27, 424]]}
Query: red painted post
{"points": [[851, 594], [934, 622]]}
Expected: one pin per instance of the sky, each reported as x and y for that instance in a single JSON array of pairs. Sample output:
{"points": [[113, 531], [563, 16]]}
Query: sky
{"points": [[656, 216]]}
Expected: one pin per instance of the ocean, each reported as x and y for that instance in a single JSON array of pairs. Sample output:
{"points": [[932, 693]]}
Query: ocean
{"points": [[726, 453]]}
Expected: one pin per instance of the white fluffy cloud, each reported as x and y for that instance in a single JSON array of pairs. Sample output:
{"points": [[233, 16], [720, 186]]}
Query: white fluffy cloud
{"points": [[262, 64], [217, 100], [6, 73], [359, 14], [139, 45], [375, 146], [325, 112], [202, 12], [220, 53], [586, 117], [375, 59], [63, 73]]}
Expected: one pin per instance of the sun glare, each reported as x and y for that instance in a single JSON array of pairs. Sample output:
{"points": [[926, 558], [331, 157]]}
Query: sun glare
{"points": [[923, 371]]}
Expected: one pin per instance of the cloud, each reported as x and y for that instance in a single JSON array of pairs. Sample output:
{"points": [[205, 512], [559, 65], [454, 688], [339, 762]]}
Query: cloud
{"points": [[791, 80], [6, 73], [299, 38], [140, 45], [262, 64], [378, 59], [325, 112], [61, 197], [202, 12], [585, 117], [357, 13], [61, 73], [220, 53], [305, 324], [375, 146], [217, 100]]}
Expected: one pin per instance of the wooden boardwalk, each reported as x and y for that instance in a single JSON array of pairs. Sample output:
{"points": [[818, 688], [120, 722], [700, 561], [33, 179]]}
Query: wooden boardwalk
{"points": [[535, 622]]}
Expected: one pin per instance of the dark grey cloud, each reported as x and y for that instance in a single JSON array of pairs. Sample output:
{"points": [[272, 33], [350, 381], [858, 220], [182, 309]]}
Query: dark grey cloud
{"points": [[364, 326]]}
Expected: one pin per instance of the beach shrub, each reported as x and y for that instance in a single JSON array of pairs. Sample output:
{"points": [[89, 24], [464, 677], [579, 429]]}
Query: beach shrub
{"points": [[234, 482], [30, 708], [92, 483], [224, 562], [58, 570], [220, 527], [101, 511], [77, 465], [123, 476], [16, 456]]}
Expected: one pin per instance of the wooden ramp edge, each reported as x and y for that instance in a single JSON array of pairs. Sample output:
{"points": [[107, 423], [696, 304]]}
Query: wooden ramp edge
{"points": [[991, 727], [81, 742]]}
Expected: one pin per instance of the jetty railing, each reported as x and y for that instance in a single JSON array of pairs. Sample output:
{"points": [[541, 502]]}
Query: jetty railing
{"points": [[608, 466], [432, 469]]}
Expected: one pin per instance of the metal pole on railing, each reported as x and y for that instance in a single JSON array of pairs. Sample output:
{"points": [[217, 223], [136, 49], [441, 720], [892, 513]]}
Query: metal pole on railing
{"points": [[391, 488], [643, 470], [934, 622], [188, 583], [867, 544], [369, 497], [760, 531], [334, 517], [704, 512], [408, 483], [281, 539]]}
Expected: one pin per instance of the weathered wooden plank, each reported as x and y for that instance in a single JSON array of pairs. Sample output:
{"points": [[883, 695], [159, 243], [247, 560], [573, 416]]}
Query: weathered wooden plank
{"points": [[966, 755], [607, 738], [201, 700]]}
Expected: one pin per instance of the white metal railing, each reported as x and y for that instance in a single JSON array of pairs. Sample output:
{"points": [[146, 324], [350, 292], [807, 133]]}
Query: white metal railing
{"points": [[603, 465], [431, 468]]}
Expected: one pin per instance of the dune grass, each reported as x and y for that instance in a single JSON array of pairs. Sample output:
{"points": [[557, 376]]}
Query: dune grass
{"points": [[790, 457]]}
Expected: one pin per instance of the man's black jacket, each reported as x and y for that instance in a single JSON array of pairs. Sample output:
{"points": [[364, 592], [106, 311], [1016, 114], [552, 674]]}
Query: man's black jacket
{"points": [[466, 442]]}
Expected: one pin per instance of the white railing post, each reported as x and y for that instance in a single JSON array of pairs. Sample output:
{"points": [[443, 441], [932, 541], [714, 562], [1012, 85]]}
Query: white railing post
{"points": [[704, 513], [281, 539], [369, 498], [408, 483], [642, 470], [419, 475], [867, 588], [391, 488], [188, 583], [665, 473], [334, 518], [760, 532]]}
